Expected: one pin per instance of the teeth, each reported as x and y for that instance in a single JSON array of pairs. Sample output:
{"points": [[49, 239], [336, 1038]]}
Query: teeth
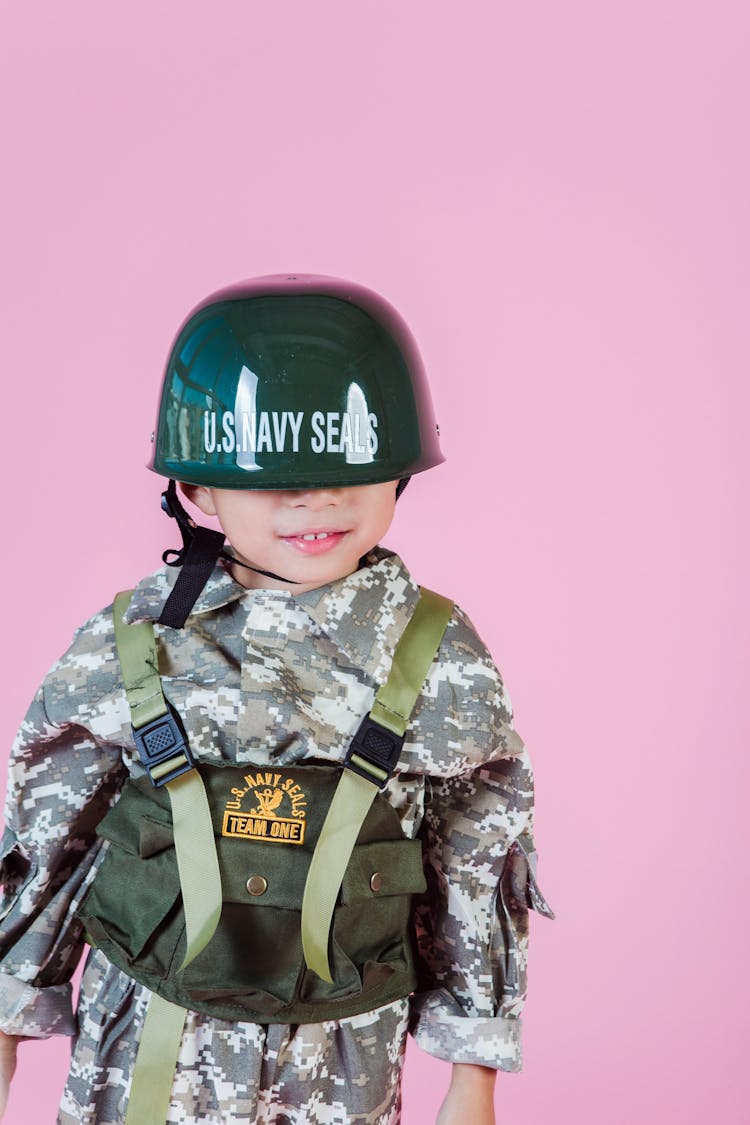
{"points": [[321, 535]]}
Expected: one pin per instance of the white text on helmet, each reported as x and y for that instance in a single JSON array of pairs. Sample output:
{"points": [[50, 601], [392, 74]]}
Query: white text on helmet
{"points": [[281, 431]]}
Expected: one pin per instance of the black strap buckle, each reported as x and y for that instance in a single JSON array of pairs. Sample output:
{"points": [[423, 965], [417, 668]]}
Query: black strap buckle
{"points": [[166, 501], [374, 752], [163, 748]]}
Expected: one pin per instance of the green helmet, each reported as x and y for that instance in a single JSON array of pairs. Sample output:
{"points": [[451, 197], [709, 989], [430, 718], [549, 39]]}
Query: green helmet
{"points": [[293, 381]]}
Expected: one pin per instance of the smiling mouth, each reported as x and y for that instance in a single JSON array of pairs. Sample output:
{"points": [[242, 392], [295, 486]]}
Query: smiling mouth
{"points": [[314, 542], [321, 533]]}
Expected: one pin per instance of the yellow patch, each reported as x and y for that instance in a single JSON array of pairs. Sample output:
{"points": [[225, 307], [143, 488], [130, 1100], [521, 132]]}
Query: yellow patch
{"points": [[270, 807]]}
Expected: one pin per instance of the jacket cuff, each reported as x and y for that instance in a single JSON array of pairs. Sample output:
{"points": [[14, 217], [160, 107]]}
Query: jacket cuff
{"points": [[35, 1012], [440, 1029]]}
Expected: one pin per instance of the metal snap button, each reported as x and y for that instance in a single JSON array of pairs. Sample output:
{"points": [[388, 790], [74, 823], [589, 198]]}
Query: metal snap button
{"points": [[256, 885], [376, 881]]}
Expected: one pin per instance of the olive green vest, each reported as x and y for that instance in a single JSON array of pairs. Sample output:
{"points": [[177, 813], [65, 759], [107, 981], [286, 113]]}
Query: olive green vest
{"points": [[266, 825]]}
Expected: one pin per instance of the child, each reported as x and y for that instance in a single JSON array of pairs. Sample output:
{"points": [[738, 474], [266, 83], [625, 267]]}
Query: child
{"points": [[265, 924]]}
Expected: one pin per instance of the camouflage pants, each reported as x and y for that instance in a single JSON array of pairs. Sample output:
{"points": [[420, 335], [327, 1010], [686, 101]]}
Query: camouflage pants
{"points": [[333, 1073]]}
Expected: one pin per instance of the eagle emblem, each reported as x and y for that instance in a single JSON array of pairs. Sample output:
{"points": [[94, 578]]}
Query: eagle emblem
{"points": [[268, 800]]}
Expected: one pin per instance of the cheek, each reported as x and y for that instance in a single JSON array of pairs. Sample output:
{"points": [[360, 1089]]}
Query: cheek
{"points": [[382, 517], [245, 509], [240, 523]]}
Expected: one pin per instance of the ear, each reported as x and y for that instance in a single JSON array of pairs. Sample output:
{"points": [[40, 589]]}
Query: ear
{"points": [[199, 495]]}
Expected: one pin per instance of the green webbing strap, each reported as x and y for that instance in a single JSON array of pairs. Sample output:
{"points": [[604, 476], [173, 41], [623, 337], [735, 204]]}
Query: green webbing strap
{"points": [[197, 862], [136, 648], [155, 1063], [394, 703], [415, 651], [345, 817]]}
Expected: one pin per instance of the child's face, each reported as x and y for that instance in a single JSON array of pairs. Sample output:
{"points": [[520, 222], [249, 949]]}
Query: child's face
{"points": [[265, 528]]}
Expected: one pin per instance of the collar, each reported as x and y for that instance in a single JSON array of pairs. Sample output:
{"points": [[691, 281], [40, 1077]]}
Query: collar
{"points": [[364, 613]]}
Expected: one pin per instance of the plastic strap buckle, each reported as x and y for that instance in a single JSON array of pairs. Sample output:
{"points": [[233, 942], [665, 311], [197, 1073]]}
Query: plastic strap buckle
{"points": [[163, 748], [374, 752], [166, 504]]}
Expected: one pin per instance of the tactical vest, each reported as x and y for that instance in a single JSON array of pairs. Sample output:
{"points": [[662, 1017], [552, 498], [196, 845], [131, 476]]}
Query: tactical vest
{"points": [[253, 892]]}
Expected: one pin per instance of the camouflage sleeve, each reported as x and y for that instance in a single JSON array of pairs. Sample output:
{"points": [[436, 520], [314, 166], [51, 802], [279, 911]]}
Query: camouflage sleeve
{"points": [[472, 923], [62, 779]]}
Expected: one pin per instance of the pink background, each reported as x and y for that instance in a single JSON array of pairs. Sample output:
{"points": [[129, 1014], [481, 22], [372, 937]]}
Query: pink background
{"points": [[555, 197]]}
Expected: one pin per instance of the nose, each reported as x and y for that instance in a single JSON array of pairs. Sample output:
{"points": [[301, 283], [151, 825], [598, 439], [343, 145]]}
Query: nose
{"points": [[315, 499]]}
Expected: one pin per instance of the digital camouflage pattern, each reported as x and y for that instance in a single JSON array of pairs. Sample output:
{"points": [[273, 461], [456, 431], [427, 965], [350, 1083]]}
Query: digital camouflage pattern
{"points": [[265, 677], [232, 1073]]}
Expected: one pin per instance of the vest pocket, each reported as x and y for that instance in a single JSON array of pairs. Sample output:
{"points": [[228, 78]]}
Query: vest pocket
{"points": [[253, 958], [133, 910], [129, 904], [376, 899], [371, 924], [250, 964]]}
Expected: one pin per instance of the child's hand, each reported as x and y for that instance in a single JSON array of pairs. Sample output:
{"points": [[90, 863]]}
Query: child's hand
{"points": [[469, 1097], [8, 1045]]}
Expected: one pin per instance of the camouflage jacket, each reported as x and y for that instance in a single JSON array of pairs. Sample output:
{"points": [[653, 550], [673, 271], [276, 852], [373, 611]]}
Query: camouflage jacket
{"points": [[267, 677]]}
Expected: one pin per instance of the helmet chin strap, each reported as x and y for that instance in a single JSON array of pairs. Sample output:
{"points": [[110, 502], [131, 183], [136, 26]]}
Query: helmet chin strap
{"points": [[201, 549]]}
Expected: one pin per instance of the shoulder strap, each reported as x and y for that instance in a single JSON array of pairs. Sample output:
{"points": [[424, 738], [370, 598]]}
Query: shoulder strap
{"points": [[155, 1062], [370, 762], [164, 751]]}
